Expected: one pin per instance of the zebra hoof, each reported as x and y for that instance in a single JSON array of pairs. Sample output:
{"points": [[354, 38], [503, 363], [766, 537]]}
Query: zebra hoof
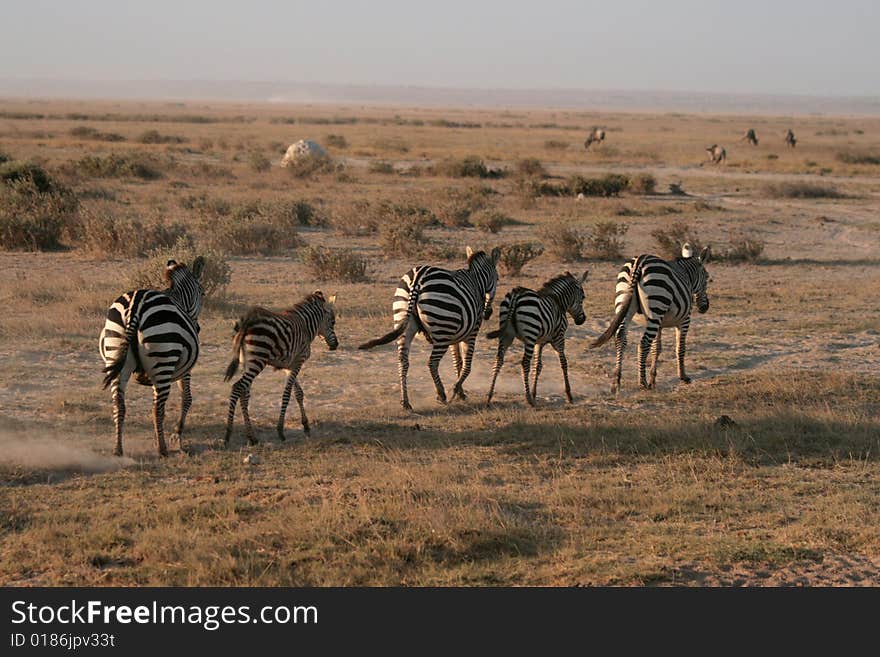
{"points": [[253, 441], [281, 436], [406, 406], [307, 432], [117, 452], [442, 399], [459, 394], [163, 453], [685, 379]]}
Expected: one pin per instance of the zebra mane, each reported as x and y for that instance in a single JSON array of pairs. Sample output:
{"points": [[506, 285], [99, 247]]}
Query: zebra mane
{"points": [[549, 287], [309, 300], [474, 255]]}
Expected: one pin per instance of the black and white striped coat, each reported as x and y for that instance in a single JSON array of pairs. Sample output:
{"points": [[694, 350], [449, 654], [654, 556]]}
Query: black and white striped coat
{"points": [[447, 307], [538, 318], [155, 336], [657, 294], [284, 341]]}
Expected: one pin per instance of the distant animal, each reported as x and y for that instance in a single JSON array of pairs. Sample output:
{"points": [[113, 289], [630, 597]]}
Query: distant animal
{"points": [[155, 336], [716, 154], [284, 341], [657, 294], [790, 139], [538, 318], [750, 137], [447, 307], [303, 149], [596, 135]]}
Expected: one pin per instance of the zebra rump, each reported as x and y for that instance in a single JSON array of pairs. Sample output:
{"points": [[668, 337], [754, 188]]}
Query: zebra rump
{"points": [[622, 311]]}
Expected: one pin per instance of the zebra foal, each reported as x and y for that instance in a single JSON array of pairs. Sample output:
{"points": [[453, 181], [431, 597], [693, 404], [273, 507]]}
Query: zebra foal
{"points": [[538, 318], [155, 336], [284, 341], [657, 294], [447, 307]]}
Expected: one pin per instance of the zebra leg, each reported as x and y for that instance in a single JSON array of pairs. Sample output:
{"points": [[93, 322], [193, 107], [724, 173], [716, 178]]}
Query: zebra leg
{"points": [[539, 365], [503, 343], [118, 390], [458, 391], [559, 346], [434, 366], [620, 347], [680, 339], [245, 413], [655, 356], [526, 366], [185, 404], [456, 358], [160, 396], [403, 363], [645, 346], [285, 400], [298, 391]]}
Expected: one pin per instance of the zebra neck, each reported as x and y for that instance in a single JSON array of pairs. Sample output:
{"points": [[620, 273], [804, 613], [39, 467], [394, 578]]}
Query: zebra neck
{"points": [[306, 319], [683, 267]]}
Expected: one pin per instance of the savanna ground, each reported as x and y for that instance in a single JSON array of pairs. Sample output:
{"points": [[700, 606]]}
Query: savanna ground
{"points": [[639, 488]]}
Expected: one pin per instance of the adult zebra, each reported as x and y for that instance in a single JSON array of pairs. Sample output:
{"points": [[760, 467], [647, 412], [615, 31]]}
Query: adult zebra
{"points": [[537, 318], [154, 335], [657, 294], [284, 341], [447, 307]]}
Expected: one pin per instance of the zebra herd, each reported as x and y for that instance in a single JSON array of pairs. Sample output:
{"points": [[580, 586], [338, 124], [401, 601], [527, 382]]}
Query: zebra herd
{"points": [[154, 334]]}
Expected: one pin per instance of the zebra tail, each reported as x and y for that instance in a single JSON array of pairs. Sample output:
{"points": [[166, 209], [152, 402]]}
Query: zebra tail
{"points": [[509, 318], [113, 370], [240, 329], [401, 327], [622, 311]]}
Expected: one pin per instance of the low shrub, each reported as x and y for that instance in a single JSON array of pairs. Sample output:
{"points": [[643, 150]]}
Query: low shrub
{"points": [[87, 132], [643, 183], [336, 141], [555, 144], [402, 238], [129, 165], [380, 166], [309, 166], [336, 264], [858, 158], [563, 242], [516, 256], [155, 137], [492, 221], [101, 231], [216, 273], [17, 171], [530, 167], [611, 184], [467, 167], [670, 240], [259, 162], [743, 248], [32, 219], [605, 241], [802, 190]]}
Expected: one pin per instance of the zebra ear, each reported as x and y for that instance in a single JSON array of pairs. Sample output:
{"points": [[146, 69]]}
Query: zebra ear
{"points": [[687, 250], [170, 264], [319, 294], [496, 254], [469, 251], [704, 255], [584, 277], [197, 266]]}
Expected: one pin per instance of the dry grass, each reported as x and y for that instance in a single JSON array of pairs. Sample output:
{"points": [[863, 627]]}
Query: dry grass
{"points": [[642, 488]]}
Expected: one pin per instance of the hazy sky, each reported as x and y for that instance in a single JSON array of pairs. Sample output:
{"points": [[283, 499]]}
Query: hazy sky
{"points": [[809, 46]]}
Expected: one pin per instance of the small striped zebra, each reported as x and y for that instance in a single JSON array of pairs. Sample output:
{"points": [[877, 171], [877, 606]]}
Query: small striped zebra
{"points": [[155, 336], [657, 294], [538, 318], [447, 307], [284, 341]]}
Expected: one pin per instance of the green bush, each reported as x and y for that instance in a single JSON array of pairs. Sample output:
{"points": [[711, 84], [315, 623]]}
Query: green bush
{"points": [[336, 264]]}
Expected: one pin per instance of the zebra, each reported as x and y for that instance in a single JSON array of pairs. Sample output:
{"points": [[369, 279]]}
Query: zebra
{"points": [[284, 341], [597, 135], [790, 138], [155, 336], [657, 294], [717, 154], [750, 137], [537, 318], [447, 307]]}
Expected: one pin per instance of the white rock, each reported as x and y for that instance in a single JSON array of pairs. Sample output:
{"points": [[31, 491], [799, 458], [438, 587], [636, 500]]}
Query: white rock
{"points": [[304, 148]]}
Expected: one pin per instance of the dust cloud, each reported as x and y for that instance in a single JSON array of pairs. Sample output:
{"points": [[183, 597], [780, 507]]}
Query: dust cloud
{"points": [[21, 449]]}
